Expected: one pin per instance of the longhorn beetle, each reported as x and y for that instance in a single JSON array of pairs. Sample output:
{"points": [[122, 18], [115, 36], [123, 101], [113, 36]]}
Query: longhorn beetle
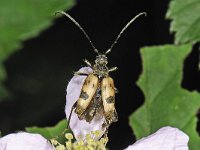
{"points": [[98, 91]]}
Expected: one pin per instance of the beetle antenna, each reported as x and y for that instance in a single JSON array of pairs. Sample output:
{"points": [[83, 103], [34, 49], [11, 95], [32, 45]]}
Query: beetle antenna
{"points": [[79, 26], [122, 31]]}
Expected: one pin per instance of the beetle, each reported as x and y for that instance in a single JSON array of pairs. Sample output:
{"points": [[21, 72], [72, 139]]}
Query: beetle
{"points": [[98, 91]]}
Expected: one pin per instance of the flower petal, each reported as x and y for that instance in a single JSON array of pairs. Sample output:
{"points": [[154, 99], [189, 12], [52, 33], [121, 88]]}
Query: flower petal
{"points": [[80, 127], [24, 141], [166, 138]]}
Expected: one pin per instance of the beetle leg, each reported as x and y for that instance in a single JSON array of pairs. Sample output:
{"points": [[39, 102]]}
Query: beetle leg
{"points": [[105, 133], [80, 74], [116, 90], [106, 125], [87, 62], [115, 116], [68, 121], [112, 69]]}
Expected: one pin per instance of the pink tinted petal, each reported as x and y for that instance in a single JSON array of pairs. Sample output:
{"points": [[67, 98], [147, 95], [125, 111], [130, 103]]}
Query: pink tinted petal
{"points": [[80, 127], [166, 138], [24, 141]]}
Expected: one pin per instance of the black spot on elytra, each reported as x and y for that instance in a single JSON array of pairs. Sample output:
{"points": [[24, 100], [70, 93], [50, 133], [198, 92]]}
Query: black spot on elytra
{"points": [[110, 85], [84, 95], [110, 99]]}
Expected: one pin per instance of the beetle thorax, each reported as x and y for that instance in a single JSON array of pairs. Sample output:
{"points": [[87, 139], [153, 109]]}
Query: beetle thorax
{"points": [[100, 67]]}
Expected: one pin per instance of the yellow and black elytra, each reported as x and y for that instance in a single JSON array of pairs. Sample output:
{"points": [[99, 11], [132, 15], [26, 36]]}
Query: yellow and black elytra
{"points": [[98, 91]]}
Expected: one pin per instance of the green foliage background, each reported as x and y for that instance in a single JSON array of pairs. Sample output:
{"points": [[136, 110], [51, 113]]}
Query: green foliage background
{"points": [[27, 20], [166, 102], [49, 132]]}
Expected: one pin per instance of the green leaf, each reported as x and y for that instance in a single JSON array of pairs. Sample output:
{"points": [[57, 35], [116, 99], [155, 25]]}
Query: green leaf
{"points": [[50, 132], [185, 20], [166, 103], [24, 19]]}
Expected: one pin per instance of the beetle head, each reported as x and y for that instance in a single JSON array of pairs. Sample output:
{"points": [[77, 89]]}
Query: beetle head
{"points": [[101, 59]]}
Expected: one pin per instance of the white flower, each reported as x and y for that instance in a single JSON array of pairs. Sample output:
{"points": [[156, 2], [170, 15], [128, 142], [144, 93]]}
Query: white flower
{"points": [[166, 138], [24, 141], [80, 127]]}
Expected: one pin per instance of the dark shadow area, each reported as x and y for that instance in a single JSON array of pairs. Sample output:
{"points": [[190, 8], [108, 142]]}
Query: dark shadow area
{"points": [[198, 123], [191, 77]]}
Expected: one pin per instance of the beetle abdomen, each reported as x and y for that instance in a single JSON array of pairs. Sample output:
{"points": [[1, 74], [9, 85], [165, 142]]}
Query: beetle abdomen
{"points": [[87, 92], [108, 97]]}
